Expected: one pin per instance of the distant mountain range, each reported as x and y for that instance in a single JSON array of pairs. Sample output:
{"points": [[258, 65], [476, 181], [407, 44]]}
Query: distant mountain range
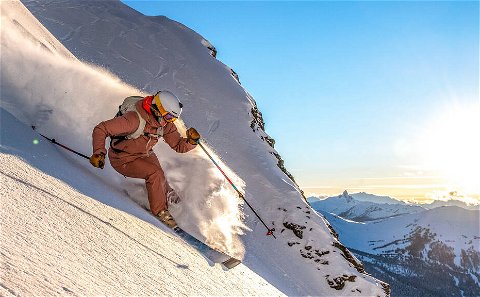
{"points": [[362, 207], [427, 250], [440, 203]]}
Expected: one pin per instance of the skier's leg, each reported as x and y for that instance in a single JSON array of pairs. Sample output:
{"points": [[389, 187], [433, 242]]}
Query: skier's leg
{"points": [[170, 194], [148, 168]]}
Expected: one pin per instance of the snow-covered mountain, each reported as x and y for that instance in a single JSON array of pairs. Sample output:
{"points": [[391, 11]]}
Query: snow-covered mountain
{"points": [[360, 208], [72, 229], [452, 202], [432, 253], [419, 251], [366, 197]]}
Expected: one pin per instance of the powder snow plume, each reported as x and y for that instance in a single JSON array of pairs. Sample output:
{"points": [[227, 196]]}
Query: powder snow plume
{"points": [[64, 98]]}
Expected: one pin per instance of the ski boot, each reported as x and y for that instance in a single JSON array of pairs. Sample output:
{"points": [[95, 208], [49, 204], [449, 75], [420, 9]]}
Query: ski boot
{"points": [[165, 217]]}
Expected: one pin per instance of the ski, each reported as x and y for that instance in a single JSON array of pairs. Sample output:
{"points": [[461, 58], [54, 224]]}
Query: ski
{"points": [[230, 263], [208, 252], [212, 254]]}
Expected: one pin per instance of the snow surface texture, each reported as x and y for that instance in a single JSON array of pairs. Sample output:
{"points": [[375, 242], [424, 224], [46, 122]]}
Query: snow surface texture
{"points": [[65, 99], [305, 259], [56, 241]]}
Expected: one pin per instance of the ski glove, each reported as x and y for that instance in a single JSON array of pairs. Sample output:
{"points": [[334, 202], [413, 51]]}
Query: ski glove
{"points": [[193, 136], [98, 160]]}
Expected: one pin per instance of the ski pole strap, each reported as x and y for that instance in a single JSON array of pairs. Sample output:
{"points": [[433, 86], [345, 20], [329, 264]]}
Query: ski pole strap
{"points": [[270, 230], [52, 140]]}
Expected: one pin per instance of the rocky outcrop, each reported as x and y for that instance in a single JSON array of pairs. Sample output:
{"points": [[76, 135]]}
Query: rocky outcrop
{"points": [[258, 126]]}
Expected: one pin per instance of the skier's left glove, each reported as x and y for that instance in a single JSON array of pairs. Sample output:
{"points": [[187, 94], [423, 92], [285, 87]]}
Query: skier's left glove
{"points": [[193, 136]]}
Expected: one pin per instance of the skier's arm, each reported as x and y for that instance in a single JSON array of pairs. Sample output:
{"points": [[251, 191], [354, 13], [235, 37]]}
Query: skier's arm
{"points": [[119, 126], [175, 141]]}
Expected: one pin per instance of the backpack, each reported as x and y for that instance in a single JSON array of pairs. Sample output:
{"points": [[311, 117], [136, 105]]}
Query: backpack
{"points": [[129, 104]]}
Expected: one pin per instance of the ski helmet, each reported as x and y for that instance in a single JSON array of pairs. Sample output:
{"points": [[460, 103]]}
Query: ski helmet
{"points": [[168, 105]]}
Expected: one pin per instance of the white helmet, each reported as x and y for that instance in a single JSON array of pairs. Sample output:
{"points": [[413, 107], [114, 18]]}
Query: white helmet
{"points": [[167, 102]]}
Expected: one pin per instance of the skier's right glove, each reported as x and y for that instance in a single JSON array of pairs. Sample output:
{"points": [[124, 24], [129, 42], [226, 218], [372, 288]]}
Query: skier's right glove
{"points": [[193, 136], [98, 160]]}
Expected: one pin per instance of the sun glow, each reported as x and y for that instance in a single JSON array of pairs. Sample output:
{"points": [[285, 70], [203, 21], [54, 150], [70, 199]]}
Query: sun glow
{"points": [[450, 146]]}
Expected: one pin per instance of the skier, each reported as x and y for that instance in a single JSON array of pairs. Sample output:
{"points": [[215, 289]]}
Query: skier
{"points": [[133, 135]]}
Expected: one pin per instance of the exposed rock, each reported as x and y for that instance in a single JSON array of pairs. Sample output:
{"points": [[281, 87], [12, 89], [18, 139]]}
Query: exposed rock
{"points": [[213, 51], [321, 253], [258, 123], [338, 282], [442, 253], [349, 257], [307, 255], [470, 259], [332, 231], [297, 229], [419, 238], [235, 75]]}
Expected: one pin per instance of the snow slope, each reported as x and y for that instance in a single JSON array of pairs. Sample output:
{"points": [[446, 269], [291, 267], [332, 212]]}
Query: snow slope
{"points": [[66, 98], [56, 240]]}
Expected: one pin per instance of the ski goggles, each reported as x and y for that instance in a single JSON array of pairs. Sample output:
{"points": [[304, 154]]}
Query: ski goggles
{"points": [[159, 108], [169, 117]]}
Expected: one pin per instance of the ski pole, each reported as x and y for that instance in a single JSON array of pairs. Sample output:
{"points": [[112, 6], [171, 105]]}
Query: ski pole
{"points": [[270, 230], [52, 140]]}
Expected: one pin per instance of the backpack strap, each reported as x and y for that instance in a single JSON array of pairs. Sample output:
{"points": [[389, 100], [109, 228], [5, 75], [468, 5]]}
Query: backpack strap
{"points": [[141, 127], [129, 105], [155, 135]]}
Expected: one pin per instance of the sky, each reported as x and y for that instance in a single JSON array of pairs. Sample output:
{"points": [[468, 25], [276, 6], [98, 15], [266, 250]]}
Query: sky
{"points": [[378, 97]]}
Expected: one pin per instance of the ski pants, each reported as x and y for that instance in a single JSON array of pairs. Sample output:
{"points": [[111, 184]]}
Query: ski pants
{"points": [[149, 169]]}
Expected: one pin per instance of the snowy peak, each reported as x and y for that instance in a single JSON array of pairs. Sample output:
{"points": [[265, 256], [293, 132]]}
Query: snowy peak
{"points": [[365, 197], [347, 197], [358, 207], [452, 202]]}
